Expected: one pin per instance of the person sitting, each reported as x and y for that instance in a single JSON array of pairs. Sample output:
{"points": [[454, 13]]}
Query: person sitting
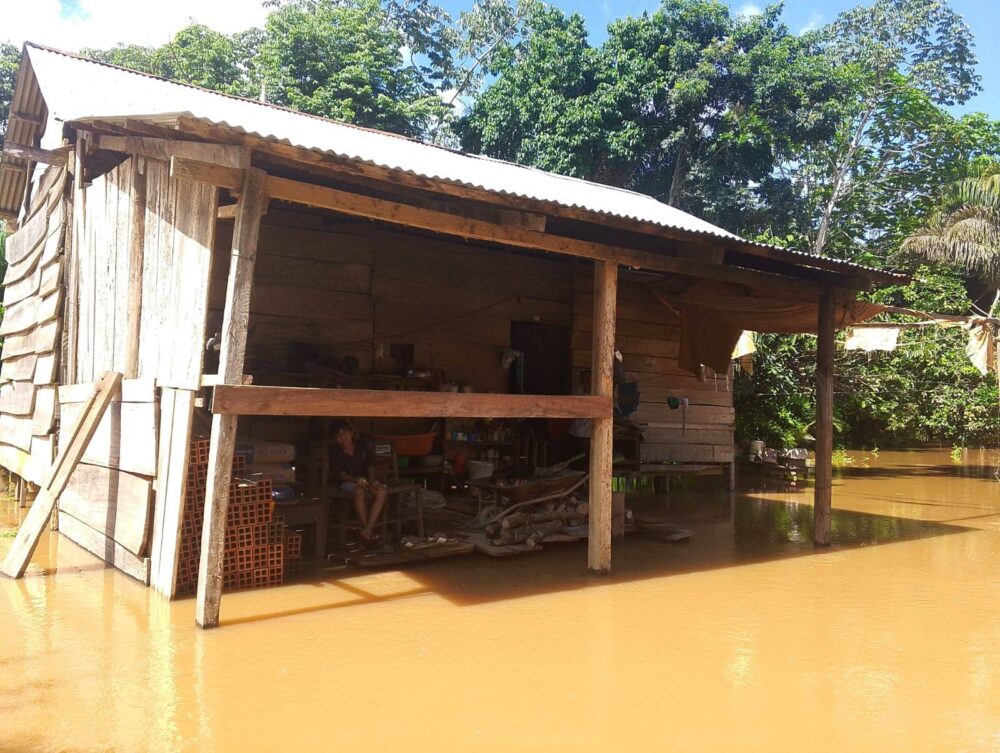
{"points": [[352, 468]]}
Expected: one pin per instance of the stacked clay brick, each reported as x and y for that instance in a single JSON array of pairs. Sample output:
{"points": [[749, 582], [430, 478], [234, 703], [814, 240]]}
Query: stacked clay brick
{"points": [[255, 541]]}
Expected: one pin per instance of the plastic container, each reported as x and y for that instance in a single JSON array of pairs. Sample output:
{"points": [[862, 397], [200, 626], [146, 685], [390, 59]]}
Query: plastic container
{"points": [[409, 444], [479, 469]]}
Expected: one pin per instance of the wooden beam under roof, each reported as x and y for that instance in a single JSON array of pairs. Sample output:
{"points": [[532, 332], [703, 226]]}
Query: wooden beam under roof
{"points": [[346, 202], [305, 401], [58, 156], [346, 166]]}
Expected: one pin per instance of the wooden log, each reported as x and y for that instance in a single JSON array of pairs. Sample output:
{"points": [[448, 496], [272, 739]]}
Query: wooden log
{"points": [[823, 485], [601, 439], [531, 534], [69, 456], [253, 201], [114, 503], [176, 413], [304, 401], [58, 156], [136, 246]]}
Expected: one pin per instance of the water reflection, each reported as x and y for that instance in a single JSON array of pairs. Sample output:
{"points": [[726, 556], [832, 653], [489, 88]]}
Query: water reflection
{"points": [[744, 639]]}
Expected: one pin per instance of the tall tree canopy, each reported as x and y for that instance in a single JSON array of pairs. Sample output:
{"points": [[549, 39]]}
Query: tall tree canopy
{"points": [[10, 58], [689, 103]]}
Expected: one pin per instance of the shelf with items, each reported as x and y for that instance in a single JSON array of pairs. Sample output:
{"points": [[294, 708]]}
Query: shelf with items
{"points": [[494, 442]]}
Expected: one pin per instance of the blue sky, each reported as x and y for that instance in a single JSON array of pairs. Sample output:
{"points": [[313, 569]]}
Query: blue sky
{"points": [[71, 24], [983, 17]]}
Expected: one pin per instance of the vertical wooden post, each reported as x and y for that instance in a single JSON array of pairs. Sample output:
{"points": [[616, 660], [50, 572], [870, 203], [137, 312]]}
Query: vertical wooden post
{"points": [[253, 201], [602, 376], [823, 488], [137, 240]]}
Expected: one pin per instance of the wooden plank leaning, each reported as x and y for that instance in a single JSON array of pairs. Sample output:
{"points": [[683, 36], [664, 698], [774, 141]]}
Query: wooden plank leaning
{"points": [[69, 456]]}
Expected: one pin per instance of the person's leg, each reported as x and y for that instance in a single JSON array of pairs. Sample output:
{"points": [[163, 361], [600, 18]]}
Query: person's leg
{"points": [[380, 497], [358, 497]]}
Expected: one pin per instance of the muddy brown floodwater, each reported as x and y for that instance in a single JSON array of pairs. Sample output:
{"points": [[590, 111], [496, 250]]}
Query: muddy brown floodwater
{"points": [[743, 639]]}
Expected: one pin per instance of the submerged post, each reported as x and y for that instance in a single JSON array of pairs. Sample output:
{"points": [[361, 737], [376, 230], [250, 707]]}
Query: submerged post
{"points": [[822, 502], [252, 203], [602, 378]]}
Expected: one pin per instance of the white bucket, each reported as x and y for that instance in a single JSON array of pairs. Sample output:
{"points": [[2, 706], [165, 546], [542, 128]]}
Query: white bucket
{"points": [[756, 448], [479, 469]]}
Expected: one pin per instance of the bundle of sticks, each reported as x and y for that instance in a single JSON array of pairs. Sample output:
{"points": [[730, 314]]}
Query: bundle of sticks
{"points": [[531, 528]]}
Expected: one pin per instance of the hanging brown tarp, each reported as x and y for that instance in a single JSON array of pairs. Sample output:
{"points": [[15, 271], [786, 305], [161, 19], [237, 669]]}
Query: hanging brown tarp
{"points": [[714, 316]]}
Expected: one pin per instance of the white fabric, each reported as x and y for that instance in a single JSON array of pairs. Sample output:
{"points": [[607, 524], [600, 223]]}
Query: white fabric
{"points": [[872, 338], [745, 345]]}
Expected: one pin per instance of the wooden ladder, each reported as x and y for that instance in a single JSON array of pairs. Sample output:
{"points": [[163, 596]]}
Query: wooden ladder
{"points": [[66, 461]]}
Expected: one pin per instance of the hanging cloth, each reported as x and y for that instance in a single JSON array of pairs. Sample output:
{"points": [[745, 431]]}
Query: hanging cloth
{"points": [[872, 338], [714, 316], [744, 346], [981, 348]]}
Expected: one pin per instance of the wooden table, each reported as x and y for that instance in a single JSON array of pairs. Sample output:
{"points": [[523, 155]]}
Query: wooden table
{"points": [[308, 511]]}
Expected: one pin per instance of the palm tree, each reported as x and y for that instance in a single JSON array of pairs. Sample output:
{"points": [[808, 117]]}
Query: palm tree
{"points": [[966, 230]]}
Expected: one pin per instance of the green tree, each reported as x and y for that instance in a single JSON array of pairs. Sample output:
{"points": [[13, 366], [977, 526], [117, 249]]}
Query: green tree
{"points": [[965, 231], [689, 103], [10, 60], [904, 59], [344, 60]]}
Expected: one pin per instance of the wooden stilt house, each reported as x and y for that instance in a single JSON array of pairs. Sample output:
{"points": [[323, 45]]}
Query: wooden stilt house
{"points": [[196, 243]]}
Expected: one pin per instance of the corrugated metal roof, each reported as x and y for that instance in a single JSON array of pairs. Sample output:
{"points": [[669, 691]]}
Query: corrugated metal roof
{"points": [[77, 89]]}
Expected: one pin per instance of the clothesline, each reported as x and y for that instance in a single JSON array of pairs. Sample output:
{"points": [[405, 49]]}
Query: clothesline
{"points": [[981, 346]]}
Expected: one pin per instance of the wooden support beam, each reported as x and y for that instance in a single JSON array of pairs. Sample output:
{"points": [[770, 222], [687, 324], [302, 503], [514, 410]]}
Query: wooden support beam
{"points": [[823, 486], [69, 455], [137, 240], [346, 202], [601, 440], [224, 155], [305, 401], [217, 175], [253, 200], [407, 215], [58, 156]]}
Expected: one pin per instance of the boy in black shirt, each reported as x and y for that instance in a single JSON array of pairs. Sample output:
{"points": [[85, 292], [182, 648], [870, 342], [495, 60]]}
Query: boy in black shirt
{"points": [[352, 469]]}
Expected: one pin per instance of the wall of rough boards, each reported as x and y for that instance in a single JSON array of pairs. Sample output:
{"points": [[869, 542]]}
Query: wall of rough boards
{"points": [[32, 298], [355, 287], [138, 237], [179, 223], [112, 493]]}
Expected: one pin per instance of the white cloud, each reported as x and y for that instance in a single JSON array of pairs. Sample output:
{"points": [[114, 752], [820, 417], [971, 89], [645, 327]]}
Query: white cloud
{"points": [[814, 22], [104, 23], [749, 9]]}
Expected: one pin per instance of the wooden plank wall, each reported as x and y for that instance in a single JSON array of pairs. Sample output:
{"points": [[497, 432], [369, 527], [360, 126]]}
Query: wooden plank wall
{"points": [[179, 228], [33, 299], [110, 493], [648, 336], [109, 499], [354, 289]]}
